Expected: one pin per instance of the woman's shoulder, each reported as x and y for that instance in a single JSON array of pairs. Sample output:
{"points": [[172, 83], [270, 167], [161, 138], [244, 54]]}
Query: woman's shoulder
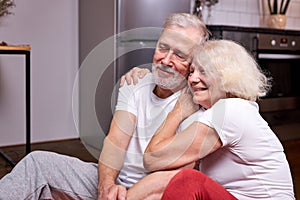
{"points": [[234, 110], [235, 104]]}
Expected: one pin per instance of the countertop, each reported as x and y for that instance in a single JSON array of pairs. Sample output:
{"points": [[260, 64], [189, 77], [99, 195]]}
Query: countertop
{"points": [[253, 30]]}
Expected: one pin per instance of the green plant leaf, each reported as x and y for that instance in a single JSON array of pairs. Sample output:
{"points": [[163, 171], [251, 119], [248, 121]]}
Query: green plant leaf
{"points": [[5, 5]]}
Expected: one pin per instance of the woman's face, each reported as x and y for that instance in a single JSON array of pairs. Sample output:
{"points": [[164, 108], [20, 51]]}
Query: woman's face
{"points": [[205, 89]]}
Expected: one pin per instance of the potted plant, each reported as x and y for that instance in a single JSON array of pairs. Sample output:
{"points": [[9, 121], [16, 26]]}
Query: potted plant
{"points": [[277, 18], [5, 6], [284, 4]]}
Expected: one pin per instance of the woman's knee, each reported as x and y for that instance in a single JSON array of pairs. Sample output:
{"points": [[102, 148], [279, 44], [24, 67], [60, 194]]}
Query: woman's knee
{"points": [[184, 185], [190, 175], [187, 178]]}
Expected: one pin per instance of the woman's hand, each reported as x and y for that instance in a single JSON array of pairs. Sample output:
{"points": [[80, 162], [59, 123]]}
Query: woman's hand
{"points": [[134, 75], [185, 105]]}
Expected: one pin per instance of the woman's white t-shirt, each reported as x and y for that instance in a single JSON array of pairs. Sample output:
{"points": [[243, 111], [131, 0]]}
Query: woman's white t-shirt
{"points": [[251, 163]]}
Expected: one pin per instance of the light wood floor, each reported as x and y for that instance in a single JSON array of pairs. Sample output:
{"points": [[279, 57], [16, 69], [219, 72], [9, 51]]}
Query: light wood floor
{"points": [[76, 148]]}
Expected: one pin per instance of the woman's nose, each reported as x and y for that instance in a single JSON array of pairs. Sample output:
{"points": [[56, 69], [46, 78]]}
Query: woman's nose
{"points": [[194, 77]]}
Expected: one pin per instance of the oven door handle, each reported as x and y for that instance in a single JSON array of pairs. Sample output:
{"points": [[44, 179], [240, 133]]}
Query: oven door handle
{"points": [[277, 56]]}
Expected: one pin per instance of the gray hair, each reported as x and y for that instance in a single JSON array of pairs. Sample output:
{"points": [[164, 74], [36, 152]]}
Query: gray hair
{"points": [[186, 20]]}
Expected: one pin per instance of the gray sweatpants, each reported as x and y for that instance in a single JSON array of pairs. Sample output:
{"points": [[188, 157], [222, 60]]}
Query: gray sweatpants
{"points": [[47, 175]]}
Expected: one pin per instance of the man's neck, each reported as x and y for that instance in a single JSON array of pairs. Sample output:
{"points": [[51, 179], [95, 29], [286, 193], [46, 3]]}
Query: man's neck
{"points": [[162, 93]]}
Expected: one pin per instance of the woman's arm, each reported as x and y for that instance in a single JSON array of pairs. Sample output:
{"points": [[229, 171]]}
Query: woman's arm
{"points": [[190, 145], [168, 150]]}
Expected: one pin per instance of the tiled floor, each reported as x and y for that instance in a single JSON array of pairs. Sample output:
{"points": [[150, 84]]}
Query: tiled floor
{"points": [[75, 148]]}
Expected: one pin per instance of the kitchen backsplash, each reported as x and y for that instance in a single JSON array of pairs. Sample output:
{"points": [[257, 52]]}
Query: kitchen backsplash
{"points": [[248, 13]]}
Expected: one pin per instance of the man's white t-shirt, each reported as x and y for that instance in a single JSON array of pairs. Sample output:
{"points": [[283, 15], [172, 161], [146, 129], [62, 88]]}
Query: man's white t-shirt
{"points": [[251, 163], [150, 112]]}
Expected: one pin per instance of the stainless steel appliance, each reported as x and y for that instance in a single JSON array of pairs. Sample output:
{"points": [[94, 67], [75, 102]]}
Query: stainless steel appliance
{"points": [[278, 54], [132, 45], [138, 26]]}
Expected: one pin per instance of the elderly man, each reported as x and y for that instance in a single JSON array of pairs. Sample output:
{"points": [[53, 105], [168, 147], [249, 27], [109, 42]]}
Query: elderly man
{"points": [[139, 112]]}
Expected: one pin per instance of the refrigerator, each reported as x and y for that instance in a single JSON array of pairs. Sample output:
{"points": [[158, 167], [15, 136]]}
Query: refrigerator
{"points": [[138, 26]]}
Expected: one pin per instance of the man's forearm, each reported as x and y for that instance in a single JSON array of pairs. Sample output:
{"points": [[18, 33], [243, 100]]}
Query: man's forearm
{"points": [[106, 174], [108, 165], [108, 170]]}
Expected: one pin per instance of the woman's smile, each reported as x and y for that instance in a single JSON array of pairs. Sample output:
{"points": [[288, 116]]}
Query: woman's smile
{"points": [[196, 89]]}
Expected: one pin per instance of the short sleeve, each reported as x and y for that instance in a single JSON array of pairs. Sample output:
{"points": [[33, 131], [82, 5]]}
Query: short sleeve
{"points": [[130, 96], [126, 100], [225, 117]]}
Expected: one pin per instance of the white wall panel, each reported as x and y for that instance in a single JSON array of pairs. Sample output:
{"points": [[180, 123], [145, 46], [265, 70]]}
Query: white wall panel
{"points": [[51, 29]]}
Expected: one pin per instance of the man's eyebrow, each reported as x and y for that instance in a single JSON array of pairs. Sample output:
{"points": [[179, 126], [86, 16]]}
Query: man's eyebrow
{"points": [[163, 43], [180, 52], [175, 50]]}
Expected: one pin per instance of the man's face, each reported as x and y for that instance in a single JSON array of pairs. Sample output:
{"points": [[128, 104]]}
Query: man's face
{"points": [[172, 56]]}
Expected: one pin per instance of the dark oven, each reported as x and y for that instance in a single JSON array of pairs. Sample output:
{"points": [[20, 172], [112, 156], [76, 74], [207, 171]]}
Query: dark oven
{"points": [[278, 54]]}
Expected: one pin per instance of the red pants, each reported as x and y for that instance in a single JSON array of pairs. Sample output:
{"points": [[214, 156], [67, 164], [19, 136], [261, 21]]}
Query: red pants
{"points": [[189, 184]]}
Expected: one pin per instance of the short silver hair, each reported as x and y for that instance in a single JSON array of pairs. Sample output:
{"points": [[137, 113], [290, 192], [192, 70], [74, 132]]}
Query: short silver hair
{"points": [[186, 20]]}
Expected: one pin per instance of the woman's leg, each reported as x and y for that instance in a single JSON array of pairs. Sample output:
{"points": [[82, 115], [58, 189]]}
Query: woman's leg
{"points": [[192, 184], [47, 175], [151, 186]]}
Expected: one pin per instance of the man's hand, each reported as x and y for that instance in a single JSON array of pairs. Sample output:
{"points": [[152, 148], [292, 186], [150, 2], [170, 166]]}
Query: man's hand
{"points": [[134, 75], [111, 192]]}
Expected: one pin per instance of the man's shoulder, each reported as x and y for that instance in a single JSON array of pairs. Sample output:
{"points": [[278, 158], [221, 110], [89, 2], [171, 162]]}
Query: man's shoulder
{"points": [[143, 83], [130, 96]]}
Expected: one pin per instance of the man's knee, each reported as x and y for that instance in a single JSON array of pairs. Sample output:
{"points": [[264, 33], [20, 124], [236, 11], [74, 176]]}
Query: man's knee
{"points": [[37, 154], [39, 157]]}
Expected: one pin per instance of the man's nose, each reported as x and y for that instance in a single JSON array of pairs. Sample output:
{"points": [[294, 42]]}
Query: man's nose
{"points": [[167, 58]]}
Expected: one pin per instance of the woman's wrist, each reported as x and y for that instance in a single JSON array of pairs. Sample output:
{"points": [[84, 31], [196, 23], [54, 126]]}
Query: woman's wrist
{"points": [[176, 115]]}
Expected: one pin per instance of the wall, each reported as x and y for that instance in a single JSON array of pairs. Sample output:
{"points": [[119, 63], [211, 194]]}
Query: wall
{"points": [[249, 13], [51, 28]]}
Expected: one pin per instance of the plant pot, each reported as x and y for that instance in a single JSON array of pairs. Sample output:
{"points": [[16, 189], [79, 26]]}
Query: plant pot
{"points": [[277, 21]]}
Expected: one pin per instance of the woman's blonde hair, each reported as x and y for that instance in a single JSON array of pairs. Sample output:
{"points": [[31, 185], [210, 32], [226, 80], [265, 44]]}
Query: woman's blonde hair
{"points": [[233, 67]]}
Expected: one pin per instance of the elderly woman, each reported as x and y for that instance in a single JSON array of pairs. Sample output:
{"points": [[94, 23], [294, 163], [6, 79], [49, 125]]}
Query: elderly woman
{"points": [[240, 156]]}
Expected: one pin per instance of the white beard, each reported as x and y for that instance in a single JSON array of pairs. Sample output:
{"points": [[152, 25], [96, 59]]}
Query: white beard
{"points": [[169, 79]]}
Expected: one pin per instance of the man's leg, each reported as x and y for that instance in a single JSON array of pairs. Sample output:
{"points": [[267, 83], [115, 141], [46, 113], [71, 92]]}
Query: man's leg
{"points": [[194, 185], [47, 175]]}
